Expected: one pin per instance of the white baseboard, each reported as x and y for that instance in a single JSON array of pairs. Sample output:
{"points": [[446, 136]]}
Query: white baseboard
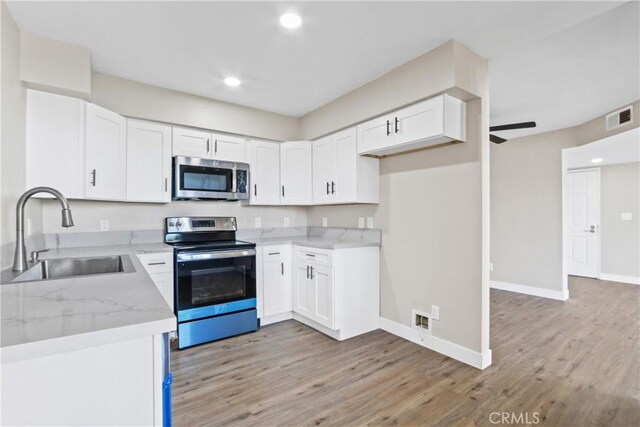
{"points": [[268, 320], [455, 351], [620, 278], [531, 290]]}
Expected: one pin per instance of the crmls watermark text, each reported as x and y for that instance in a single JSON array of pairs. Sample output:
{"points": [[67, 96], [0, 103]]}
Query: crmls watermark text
{"points": [[514, 418]]}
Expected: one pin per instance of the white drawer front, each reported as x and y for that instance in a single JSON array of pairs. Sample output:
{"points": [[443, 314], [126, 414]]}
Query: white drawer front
{"points": [[315, 255], [157, 263]]}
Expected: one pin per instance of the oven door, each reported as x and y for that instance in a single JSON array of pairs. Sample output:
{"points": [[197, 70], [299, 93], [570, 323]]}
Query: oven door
{"points": [[210, 283]]}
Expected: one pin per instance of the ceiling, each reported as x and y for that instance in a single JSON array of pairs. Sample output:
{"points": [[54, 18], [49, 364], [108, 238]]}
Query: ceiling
{"points": [[621, 148], [558, 63]]}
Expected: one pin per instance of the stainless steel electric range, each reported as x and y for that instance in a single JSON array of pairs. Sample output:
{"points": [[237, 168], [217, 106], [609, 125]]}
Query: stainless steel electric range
{"points": [[214, 279]]}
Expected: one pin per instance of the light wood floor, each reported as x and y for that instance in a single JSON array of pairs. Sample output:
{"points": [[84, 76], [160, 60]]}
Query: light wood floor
{"points": [[575, 363]]}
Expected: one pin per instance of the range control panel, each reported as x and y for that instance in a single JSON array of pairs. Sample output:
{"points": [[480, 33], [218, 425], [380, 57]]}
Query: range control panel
{"points": [[200, 224]]}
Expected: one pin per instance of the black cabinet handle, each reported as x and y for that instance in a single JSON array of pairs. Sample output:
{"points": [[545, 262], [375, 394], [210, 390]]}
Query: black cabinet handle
{"points": [[216, 146], [307, 271], [283, 191], [255, 189], [311, 276], [311, 255], [396, 125], [166, 184], [93, 179], [208, 148], [388, 131], [274, 253], [333, 187], [327, 188], [282, 268]]}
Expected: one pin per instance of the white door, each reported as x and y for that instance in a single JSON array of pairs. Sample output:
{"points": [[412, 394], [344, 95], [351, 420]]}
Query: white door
{"points": [[418, 121], [105, 154], [344, 186], [303, 295], [148, 162], [191, 143], [583, 199], [229, 148], [324, 167], [322, 287], [375, 134], [264, 158], [295, 173], [55, 137]]}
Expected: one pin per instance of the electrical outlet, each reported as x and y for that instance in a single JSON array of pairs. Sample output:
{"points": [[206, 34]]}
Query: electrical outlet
{"points": [[626, 216], [435, 312], [421, 322], [258, 222], [324, 221], [369, 222], [285, 221], [104, 225], [361, 222], [490, 266]]}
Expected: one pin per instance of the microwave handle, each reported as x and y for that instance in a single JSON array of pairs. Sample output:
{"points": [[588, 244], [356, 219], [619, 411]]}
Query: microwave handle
{"points": [[200, 256]]}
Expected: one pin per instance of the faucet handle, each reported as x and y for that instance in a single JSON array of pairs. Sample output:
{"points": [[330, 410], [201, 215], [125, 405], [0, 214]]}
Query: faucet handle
{"points": [[35, 254]]}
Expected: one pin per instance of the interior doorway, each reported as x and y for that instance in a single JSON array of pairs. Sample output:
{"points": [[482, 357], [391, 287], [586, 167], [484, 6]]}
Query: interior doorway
{"points": [[601, 209]]}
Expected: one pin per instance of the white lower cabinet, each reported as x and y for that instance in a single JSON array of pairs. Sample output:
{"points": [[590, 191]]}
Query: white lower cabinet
{"points": [[159, 266], [334, 291], [274, 283]]}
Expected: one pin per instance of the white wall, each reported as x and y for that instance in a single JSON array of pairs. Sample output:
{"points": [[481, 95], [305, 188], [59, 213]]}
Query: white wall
{"points": [[620, 240], [13, 133]]}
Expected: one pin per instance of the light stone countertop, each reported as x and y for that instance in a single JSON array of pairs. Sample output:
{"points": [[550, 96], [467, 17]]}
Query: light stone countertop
{"points": [[52, 316], [314, 242]]}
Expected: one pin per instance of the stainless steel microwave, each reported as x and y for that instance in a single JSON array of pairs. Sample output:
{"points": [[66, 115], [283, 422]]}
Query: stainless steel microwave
{"points": [[196, 179]]}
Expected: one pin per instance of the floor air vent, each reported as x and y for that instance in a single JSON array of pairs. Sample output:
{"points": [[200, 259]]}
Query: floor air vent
{"points": [[620, 117]]}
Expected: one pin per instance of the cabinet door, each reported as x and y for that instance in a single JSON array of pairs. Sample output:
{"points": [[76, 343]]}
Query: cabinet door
{"points": [[274, 287], [303, 295], [164, 283], [55, 143], [105, 154], [229, 148], [191, 143], [264, 158], [344, 182], [324, 169], [323, 301], [148, 162], [375, 134], [419, 121], [295, 173]]}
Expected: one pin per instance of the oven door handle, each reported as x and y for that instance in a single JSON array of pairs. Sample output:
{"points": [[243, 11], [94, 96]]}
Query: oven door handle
{"points": [[200, 256]]}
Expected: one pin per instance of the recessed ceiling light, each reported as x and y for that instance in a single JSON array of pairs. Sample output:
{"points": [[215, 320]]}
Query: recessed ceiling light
{"points": [[232, 81], [290, 20], [596, 160]]}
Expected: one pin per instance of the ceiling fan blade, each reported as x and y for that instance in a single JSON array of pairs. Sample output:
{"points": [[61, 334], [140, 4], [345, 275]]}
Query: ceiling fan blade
{"points": [[496, 139], [513, 126]]}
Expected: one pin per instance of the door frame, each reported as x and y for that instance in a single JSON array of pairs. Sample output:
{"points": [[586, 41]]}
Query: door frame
{"points": [[565, 222]]}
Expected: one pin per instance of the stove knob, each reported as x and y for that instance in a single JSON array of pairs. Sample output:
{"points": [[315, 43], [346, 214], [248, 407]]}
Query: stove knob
{"points": [[171, 224], [178, 224]]}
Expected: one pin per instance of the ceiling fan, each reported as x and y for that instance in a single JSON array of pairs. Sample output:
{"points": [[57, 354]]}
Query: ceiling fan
{"points": [[497, 140]]}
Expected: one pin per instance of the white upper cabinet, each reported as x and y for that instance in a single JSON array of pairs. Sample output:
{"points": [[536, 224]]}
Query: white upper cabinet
{"points": [[295, 173], [191, 143], [229, 148], [207, 145], [264, 158], [430, 123], [340, 175], [55, 143], [148, 162], [105, 154]]}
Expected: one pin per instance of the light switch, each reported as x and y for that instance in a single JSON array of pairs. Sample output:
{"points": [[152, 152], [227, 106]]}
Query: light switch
{"points": [[626, 216], [369, 222], [258, 222], [285, 221], [324, 221], [361, 222]]}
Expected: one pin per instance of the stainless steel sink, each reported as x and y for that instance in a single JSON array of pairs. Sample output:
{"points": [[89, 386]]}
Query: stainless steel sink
{"points": [[74, 267]]}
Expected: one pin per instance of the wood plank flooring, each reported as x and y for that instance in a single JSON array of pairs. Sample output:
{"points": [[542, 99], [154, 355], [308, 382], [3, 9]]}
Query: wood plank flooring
{"points": [[574, 363]]}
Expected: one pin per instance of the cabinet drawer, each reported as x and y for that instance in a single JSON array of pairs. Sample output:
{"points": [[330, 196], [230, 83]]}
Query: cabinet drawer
{"points": [[271, 253], [157, 263], [315, 255]]}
